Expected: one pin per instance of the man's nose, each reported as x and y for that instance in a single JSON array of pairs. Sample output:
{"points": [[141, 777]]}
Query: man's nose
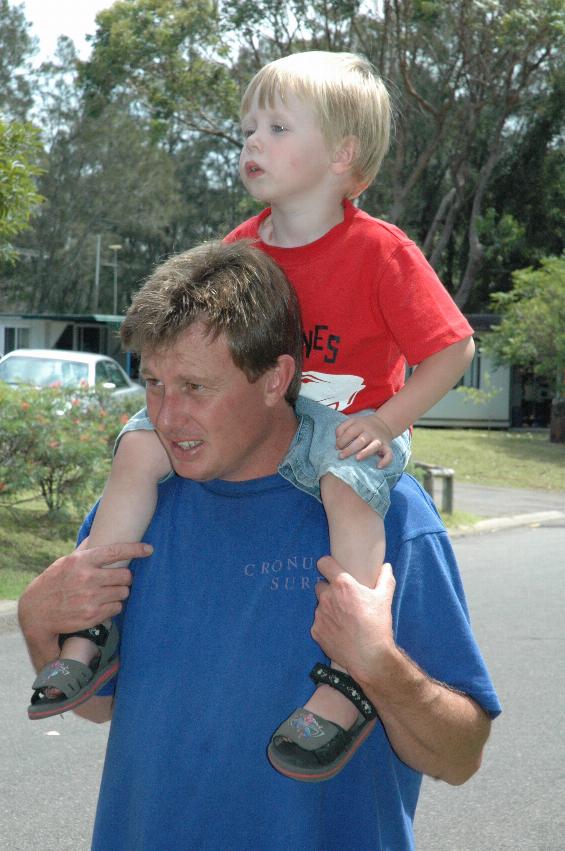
{"points": [[171, 414]]}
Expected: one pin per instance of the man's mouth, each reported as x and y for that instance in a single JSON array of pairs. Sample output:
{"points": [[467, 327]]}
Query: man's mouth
{"points": [[188, 444]]}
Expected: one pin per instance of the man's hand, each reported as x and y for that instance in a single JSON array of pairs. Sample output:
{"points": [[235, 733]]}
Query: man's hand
{"points": [[432, 728], [76, 591], [365, 436], [353, 623]]}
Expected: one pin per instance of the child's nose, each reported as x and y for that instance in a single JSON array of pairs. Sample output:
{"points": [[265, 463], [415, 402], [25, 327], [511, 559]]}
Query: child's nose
{"points": [[253, 141]]}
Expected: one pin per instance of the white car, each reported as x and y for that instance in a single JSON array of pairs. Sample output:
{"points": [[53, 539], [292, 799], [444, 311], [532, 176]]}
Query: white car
{"points": [[54, 367]]}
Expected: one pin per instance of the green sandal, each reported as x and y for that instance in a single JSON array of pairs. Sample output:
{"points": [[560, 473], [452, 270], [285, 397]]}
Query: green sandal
{"points": [[77, 682], [310, 748]]}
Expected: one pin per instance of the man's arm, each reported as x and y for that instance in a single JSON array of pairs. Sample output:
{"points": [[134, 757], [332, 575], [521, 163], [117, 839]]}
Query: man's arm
{"points": [[76, 592], [432, 728]]}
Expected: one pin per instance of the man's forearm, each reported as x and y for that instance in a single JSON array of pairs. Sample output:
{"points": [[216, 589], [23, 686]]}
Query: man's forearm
{"points": [[433, 729], [42, 643]]}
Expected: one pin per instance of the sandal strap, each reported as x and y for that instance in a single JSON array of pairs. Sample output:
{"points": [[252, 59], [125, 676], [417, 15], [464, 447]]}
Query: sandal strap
{"points": [[345, 684], [97, 634]]}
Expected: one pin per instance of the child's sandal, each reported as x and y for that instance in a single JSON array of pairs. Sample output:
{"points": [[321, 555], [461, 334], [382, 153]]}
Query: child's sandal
{"points": [[310, 748], [76, 682]]}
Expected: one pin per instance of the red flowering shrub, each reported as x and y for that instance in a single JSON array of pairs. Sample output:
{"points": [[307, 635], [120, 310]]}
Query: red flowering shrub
{"points": [[57, 443]]}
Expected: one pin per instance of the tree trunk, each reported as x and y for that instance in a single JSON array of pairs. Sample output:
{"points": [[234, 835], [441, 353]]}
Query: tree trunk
{"points": [[476, 250], [557, 425]]}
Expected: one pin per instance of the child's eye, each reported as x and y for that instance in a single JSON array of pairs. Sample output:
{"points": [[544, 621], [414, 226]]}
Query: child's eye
{"points": [[278, 128], [247, 132]]}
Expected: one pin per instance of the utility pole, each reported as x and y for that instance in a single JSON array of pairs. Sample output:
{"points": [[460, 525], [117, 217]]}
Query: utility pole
{"points": [[115, 249], [97, 273]]}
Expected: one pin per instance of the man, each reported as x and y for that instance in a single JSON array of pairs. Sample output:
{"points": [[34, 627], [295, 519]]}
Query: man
{"points": [[214, 633]]}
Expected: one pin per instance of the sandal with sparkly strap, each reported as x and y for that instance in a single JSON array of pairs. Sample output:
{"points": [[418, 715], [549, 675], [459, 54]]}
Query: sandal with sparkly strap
{"points": [[310, 748], [76, 682]]}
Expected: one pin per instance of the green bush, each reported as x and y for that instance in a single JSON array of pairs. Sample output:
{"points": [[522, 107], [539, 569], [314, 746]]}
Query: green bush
{"points": [[57, 443]]}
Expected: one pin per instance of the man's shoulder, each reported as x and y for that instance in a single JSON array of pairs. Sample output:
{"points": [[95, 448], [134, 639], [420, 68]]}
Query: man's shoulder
{"points": [[412, 513]]}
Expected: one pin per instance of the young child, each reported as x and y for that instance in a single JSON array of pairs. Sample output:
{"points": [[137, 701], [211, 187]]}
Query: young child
{"points": [[316, 127]]}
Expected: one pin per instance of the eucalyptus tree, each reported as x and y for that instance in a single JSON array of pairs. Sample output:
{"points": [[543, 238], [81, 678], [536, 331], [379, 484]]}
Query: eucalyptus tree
{"points": [[20, 146], [16, 74], [472, 83]]}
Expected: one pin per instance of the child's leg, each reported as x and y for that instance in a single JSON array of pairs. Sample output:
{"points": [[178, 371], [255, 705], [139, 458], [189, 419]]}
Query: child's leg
{"points": [[126, 507], [357, 542]]}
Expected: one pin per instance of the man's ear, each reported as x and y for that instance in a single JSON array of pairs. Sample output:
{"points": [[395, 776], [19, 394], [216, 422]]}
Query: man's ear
{"points": [[344, 155], [278, 378]]}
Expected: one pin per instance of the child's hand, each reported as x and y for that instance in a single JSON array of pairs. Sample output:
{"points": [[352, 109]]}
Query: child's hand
{"points": [[365, 436]]}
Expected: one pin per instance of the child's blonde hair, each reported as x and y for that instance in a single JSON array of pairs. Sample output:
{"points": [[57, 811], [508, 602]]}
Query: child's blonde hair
{"points": [[348, 96]]}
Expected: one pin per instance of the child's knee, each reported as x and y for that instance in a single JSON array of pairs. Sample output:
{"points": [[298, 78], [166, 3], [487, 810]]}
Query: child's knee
{"points": [[143, 448]]}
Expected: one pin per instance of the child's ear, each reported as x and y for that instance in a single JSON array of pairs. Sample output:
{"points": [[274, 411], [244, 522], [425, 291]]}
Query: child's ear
{"points": [[344, 155]]}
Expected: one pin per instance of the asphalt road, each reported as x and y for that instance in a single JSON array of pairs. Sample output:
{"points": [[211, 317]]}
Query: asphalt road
{"points": [[515, 584], [491, 501], [49, 770]]}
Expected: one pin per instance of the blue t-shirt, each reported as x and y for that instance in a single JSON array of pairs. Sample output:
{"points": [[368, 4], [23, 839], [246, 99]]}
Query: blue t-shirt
{"points": [[215, 653]]}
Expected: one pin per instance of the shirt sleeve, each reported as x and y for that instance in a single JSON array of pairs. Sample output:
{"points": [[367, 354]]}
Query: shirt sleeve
{"points": [[417, 309], [432, 620]]}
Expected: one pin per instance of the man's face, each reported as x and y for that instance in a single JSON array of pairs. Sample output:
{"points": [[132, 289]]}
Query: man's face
{"points": [[213, 423]]}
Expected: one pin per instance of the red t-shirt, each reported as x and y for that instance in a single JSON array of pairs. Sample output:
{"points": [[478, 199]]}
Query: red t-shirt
{"points": [[370, 303]]}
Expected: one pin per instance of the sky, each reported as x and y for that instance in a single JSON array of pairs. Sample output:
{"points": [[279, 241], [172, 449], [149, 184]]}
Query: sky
{"points": [[52, 18]]}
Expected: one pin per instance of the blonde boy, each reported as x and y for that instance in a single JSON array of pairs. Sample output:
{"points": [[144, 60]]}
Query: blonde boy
{"points": [[316, 128]]}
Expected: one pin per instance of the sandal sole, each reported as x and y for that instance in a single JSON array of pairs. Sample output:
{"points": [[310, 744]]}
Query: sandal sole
{"points": [[326, 772], [48, 710]]}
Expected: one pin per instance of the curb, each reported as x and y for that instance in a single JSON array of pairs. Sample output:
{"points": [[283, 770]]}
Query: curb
{"points": [[513, 521]]}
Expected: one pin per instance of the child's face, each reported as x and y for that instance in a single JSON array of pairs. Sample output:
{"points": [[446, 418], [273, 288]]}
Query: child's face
{"points": [[285, 156]]}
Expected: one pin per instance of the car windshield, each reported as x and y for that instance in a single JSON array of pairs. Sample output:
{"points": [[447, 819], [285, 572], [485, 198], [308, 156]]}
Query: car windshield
{"points": [[43, 372]]}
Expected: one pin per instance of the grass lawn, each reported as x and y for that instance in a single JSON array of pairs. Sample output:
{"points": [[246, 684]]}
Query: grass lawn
{"points": [[512, 459], [30, 540]]}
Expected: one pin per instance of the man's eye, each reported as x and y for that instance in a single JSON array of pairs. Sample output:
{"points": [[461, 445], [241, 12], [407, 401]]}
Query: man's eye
{"points": [[196, 386]]}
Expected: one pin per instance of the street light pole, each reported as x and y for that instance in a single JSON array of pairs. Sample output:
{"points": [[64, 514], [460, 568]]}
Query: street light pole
{"points": [[97, 273], [115, 249]]}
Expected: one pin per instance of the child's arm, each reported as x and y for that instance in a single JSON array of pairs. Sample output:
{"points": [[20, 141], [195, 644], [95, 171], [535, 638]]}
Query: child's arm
{"points": [[430, 381], [130, 495]]}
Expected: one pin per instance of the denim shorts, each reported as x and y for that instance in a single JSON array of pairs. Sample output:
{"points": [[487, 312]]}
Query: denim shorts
{"points": [[313, 453]]}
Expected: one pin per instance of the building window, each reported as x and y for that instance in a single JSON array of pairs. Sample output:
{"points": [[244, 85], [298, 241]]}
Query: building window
{"points": [[15, 338], [91, 338], [472, 376]]}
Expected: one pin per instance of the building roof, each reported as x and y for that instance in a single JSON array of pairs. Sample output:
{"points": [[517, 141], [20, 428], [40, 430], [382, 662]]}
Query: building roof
{"points": [[97, 318]]}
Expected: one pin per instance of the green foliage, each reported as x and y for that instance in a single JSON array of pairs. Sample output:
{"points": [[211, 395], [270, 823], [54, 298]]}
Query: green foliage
{"points": [[19, 150], [56, 443], [170, 55], [142, 145], [482, 395], [532, 330], [16, 47]]}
